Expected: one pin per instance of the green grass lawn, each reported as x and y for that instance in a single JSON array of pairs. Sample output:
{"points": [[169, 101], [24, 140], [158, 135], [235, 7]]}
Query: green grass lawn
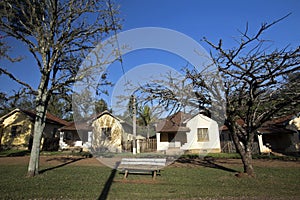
{"points": [[89, 182]]}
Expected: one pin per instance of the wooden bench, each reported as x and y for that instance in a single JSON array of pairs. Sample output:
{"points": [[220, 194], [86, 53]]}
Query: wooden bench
{"points": [[142, 166]]}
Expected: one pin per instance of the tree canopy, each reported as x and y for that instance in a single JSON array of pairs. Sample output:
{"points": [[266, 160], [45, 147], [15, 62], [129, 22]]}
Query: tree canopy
{"points": [[254, 84], [58, 35]]}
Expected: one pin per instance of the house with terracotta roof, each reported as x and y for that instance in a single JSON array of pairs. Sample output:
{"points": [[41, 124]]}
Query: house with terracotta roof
{"points": [[182, 132], [17, 126], [102, 133], [279, 135], [75, 135]]}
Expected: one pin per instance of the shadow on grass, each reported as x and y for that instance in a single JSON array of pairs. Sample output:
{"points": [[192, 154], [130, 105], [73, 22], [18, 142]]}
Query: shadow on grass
{"points": [[108, 183], [71, 160], [206, 162], [16, 153]]}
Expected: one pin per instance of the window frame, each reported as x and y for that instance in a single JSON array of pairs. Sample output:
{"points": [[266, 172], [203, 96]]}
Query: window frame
{"points": [[106, 132], [15, 131], [204, 136]]}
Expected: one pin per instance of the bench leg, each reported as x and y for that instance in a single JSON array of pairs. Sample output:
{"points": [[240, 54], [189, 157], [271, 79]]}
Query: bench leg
{"points": [[125, 174], [154, 174]]}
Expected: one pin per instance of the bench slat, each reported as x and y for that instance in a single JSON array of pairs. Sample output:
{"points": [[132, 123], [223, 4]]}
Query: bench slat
{"points": [[143, 163], [139, 165]]}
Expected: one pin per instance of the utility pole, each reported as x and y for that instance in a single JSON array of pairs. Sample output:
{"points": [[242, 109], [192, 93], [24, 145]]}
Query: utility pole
{"points": [[134, 124]]}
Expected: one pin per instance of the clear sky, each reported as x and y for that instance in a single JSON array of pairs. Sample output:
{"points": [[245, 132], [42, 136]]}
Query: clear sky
{"points": [[196, 18]]}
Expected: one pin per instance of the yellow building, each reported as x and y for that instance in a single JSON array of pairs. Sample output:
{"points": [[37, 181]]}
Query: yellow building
{"points": [[16, 128], [109, 133], [100, 134]]}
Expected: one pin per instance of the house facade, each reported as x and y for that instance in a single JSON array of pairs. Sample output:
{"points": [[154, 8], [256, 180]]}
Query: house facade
{"points": [[109, 133], [75, 135], [103, 133], [184, 133], [279, 135], [16, 129]]}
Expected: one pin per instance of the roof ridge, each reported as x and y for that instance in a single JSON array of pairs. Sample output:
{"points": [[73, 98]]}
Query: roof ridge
{"points": [[32, 114]]}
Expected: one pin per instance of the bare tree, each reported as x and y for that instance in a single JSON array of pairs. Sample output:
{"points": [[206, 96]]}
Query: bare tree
{"points": [[257, 86], [58, 34], [191, 92]]}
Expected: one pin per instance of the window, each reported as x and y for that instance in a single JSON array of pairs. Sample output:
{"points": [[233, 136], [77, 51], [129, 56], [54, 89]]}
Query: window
{"points": [[106, 132], [167, 137], [202, 134], [164, 137], [15, 130]]}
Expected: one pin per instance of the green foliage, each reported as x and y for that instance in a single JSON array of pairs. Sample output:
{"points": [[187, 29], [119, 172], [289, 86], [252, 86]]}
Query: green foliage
{"points": [[101, 105], [59, 106], [20, 99], [144, 115]]}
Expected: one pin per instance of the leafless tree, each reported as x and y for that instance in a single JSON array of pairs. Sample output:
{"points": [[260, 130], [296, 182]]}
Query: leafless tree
{"points": [[58, 34], [257, 85]]}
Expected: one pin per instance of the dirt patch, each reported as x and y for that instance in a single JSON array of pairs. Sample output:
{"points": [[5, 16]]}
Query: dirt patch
{"points": [[80, 161], [51, 161], [191, 163]]}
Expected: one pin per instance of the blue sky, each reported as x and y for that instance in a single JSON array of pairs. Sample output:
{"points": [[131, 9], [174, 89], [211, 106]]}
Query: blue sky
{"points": [[195, 18]]}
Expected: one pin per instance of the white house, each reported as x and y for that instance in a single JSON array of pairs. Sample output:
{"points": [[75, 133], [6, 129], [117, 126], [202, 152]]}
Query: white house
{"points": [[181, 132]]}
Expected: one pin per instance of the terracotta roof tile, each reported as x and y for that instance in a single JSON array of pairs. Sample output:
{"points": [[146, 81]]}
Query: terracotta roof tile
{"points": [[173, 123], [274, 126], [50, 118], [82, 125]]}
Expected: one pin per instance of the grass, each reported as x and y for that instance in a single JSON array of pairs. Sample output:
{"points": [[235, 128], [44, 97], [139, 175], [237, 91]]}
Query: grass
{"points": [[66, 183], [237, 156], [89, 182], [18, 152], [189, 183], [14, 152]]}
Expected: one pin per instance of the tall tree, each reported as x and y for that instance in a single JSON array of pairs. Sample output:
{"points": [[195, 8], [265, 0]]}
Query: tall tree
{"points": [[253, 77], [19, 99], [60, 106], [255, 87], [145, 117], [58, 34], [100, 106]]}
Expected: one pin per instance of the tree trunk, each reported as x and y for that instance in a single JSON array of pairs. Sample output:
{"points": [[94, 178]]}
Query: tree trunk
{"points": [[148, 132], [42, 100], [39, 125], [246, 156], [247, 162], [244, 149], [1, 135]]}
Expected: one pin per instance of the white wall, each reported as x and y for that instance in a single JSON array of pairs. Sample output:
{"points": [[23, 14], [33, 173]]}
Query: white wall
{"points": [[201, 121], [161, 146]]}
